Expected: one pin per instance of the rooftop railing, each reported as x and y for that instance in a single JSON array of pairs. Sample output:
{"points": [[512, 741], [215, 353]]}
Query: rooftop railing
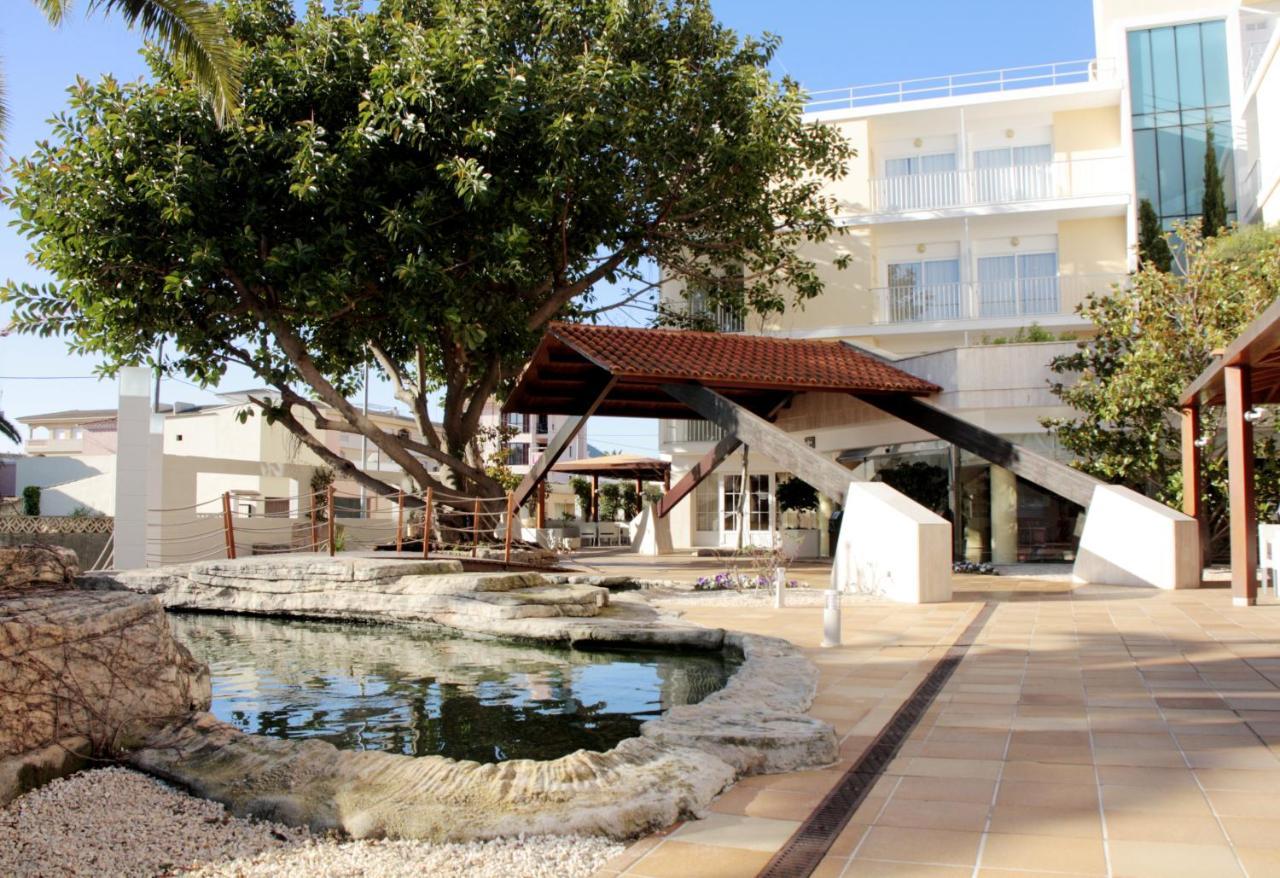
{"points": [[959, 84]]}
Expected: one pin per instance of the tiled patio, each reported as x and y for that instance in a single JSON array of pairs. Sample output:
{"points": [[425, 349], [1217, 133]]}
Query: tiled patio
{"points": [[1088, 731]]}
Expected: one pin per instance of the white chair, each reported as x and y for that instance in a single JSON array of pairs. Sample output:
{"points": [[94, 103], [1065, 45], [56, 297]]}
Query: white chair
{"points": [[1269, 554]]}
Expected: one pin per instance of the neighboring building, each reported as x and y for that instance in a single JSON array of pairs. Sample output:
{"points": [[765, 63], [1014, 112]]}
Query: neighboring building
{"points": [[983, 207], [527, 441]]}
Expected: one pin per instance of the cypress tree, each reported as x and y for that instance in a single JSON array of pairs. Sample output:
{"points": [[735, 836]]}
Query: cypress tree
{"points": [[1153, 247], [1213, 208]]}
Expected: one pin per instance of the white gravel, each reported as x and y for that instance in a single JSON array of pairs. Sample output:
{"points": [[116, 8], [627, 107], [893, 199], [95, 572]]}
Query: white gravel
{"points": [[117, 822]]}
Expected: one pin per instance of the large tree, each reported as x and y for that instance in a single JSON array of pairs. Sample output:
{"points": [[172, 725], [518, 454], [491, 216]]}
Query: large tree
{"points": [[1152, 341], [427, 185]]}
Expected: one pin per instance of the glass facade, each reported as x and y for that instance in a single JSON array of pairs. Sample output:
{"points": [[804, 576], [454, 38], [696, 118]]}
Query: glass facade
{"points": [[1179, 90]]}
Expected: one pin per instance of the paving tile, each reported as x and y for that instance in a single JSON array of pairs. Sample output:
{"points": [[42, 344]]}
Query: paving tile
{"points": [[730, 830], [848, 840], [1047, 795], [934, 846], [946, 789], [1143, 859], [1151, 826], [1252, 832], [767, 802], [1048, 772], [934, 815], [677, 859], [1024, 820], [862, 868], [1029, 852]]}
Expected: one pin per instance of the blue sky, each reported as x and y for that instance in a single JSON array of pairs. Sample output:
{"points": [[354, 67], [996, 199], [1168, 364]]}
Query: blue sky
{"points": [[826, 44]]}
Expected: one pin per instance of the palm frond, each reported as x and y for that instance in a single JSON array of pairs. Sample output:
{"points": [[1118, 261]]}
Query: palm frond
{"points": [[9, 431], [194, 34], [54, 10]]}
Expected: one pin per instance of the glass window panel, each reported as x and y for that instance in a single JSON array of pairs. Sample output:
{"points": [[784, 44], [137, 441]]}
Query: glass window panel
{"points": [[937, 163], [1038, 265], [992, 158], [900, 167], [1213, 45], [1038, 154], [707, 501], [1219, 114], [1190, 70], [1164, 69], [1225, 148], [759, 503], [1173, 198], [1198, 116], [1168, 120], [904, 274], [997, 286], [1141, 92], [1146, 120], [942, 271], [732, 497], [1193, 149]]}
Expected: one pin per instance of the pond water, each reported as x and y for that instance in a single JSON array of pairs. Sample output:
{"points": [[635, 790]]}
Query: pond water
{"points": [[422, 690]]}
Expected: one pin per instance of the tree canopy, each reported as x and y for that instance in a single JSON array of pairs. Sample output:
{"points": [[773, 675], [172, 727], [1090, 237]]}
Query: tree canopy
{"points": [[427, 184], [1152, 341]]}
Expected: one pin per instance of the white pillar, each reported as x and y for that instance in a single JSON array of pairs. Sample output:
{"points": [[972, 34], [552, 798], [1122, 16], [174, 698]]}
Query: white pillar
{"points": [[825, 549], [133, 466], [1004, 516]]}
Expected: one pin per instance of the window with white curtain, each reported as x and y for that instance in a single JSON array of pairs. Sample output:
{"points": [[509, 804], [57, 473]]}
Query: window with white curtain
{"points": [[1022, 283], [927, 289], [760, 500], [1013, 173], [920, 181]]}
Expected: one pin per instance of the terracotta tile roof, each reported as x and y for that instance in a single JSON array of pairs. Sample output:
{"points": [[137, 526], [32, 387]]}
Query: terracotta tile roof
{"points": [[720, 359]]}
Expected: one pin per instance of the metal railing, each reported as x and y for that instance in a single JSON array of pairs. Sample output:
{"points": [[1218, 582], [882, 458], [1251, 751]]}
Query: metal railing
{"points": [[959, 84], [971, 300], [691, 431], [1072, 178]]}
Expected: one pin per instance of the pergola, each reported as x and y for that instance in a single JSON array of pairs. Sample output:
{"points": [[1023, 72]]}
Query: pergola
{"points": [[740, 383], [1246, 374], [617, 466]]}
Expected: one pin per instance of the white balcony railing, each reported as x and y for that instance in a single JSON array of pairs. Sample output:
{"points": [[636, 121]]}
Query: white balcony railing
{"points": [[680, 432], [959, 84], [972, 300], [974, 187]]}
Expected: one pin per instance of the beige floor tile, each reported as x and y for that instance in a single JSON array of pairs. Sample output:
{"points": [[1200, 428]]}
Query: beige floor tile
{"points": [[848, 840], [1079, 855], [1150, 826], [1234, 803], [731, 830], [1024, 820], [861, 868], [1260, 862], [1048, 772], [924, 766], [1234, 779], [1142, 859], [773, 803], [1252, 832], [676, 859], [946, 789], [830, 867], [934, 846], [925, 814], [1047, 795], [1143, 776]]}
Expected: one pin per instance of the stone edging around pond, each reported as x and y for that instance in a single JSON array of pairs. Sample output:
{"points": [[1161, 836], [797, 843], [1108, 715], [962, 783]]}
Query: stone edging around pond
{"points": [[755, 724]]}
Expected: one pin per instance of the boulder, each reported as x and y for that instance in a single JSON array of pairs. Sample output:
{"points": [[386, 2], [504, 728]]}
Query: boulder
{"points": [[31, 564]]}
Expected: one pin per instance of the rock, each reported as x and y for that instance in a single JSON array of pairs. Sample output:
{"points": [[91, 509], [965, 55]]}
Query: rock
{"points": [[32, 564], [636, 787], [85, 672]]}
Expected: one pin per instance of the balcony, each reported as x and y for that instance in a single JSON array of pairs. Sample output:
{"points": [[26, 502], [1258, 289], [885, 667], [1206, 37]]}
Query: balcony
{"points": [[961, 84], [1011, 185], [982, 300], [682, 432]]}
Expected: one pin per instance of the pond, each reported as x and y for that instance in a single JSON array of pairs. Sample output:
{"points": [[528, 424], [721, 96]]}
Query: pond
{"points": [[423, 690]]}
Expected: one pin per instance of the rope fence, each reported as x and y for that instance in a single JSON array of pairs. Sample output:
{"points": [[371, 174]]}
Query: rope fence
{"points": [[313, 521]]}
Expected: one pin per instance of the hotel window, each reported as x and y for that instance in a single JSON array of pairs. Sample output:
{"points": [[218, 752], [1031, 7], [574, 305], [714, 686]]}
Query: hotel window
{"points": [[759, 511], [1179, 91], [518, 454], [924, 290], [1013, 173], [706, 505], [1023, 283], [920, 181]]}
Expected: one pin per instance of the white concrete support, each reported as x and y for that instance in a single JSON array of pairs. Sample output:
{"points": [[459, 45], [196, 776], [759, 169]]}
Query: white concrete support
{"points": [[134, 468], [891, 546], [651, 534], [1130, 539], [1004, 516]]}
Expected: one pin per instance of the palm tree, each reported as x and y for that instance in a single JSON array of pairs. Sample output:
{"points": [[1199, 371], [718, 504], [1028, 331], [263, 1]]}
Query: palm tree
{"points": [[191, 31], [9, 431]]}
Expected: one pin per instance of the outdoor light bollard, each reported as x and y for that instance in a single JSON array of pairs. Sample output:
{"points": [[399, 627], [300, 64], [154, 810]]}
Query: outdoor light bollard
{"points": [[831, 619], [779, 588]]}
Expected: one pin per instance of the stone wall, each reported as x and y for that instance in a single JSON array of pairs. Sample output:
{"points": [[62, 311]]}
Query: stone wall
{"points": [[83, 674]]}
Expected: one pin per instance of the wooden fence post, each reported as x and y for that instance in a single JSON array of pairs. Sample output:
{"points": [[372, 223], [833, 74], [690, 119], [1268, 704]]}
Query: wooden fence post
{"points": [[333, 543], [315, 531], [426, 526], [399, 521], [228, 526], [506, 554], [475, 529]]}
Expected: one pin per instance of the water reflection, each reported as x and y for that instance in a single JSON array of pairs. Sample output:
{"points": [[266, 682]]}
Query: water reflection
{"points": [[423, 691]]}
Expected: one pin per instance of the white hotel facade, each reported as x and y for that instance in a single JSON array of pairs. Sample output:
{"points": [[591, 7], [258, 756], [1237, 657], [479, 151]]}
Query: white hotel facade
{"points": [[981, 205]]}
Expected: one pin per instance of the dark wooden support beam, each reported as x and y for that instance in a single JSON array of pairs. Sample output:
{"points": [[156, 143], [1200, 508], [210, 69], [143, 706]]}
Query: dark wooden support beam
{"points": [[1244, 516], [542, 503], [1035, 468], [595, 498], [750, 429], [1192, 483], [556, 447]]}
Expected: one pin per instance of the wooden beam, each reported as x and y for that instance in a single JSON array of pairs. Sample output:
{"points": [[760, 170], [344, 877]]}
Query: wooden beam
{"points": [[556, 447], [790, 454], [1243, 524], [1192, 483], [727, 445], [1037, 469]]}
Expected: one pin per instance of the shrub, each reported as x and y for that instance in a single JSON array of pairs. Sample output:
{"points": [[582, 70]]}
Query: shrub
{"points": [[31, 500]]}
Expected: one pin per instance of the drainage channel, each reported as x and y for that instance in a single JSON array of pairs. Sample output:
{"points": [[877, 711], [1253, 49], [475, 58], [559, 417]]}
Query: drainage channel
{"points": [[809, 844]]}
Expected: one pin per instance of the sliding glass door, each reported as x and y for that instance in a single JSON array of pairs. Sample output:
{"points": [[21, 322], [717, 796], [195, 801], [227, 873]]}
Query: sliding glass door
{"points": [[924, 290], [919, 182], [1013, 173], [1023, 283]]}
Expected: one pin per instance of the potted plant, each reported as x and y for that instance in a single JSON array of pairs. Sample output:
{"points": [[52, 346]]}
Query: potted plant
{"points": [[796, 495]]}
